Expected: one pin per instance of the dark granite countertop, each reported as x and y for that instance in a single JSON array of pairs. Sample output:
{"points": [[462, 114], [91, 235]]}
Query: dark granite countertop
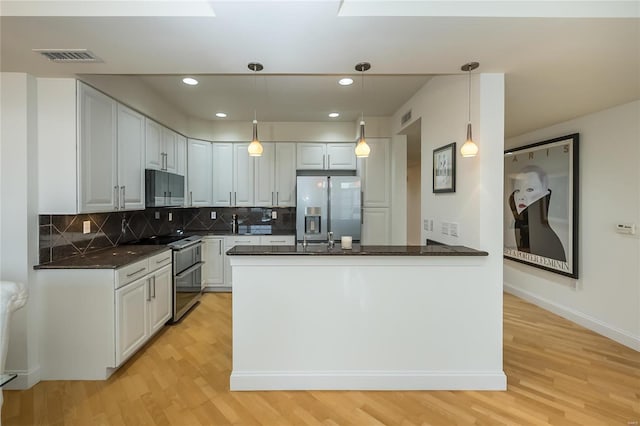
{"points": [[229, 234], [111, 258], [357, 250]]}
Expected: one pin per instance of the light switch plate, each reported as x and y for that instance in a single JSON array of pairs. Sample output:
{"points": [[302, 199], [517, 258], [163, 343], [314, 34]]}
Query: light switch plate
{"points": [[213, 215], [426, 224], [453, 229], [445, 228], [626, 228], [86, 227], [170, 217], [157, 215], [274, 214]]}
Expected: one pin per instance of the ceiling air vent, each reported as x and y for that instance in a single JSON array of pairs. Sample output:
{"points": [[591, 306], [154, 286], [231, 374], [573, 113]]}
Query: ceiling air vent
{"points": [[405, 118], [68, 55]]}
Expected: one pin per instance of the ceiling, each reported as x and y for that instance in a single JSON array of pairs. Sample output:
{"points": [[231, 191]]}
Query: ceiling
{"points": [[555, 68]]}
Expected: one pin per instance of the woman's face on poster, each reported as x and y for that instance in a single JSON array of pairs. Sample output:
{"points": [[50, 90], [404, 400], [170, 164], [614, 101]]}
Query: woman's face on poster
{"points": [[528, 189]]}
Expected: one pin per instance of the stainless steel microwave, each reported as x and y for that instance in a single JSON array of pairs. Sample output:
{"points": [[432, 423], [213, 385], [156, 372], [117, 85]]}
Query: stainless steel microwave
{"points": [[163, 189]]}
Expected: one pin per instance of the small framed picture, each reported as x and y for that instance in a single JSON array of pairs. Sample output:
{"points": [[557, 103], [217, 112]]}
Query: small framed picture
{"points": [[444, 168]]}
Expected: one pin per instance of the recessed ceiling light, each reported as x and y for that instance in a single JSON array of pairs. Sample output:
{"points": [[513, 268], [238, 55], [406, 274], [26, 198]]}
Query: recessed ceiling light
{"points": [[334, 114], [190, 81], [345, 81], [221, 114]]}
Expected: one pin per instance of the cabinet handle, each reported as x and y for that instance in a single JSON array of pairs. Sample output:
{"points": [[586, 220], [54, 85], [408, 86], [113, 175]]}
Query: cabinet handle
{"points": [[277, 198], [163, 260], [328, 161], [191, 198], [136, 272], [361, 207], [154, 286], [272, 198], [235, 198], [149, 290], [323, 161], [123, 205], [277, 241], [116, 197], [220, 247], [230, 203]]}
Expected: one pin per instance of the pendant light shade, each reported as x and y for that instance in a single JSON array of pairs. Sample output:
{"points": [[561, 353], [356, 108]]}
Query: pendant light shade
{"points": [[469, 148], [362, 148], [255, 147]]}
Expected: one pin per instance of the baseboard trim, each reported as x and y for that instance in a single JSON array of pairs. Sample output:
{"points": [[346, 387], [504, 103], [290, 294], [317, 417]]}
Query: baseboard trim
{"points": [[578, 317], [25, 380], [358, 380], [217, 290]]}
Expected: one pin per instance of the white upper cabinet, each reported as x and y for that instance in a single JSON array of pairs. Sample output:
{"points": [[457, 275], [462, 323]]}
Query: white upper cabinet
{"points": [[376, 174], [181, 155], [153, 142], [323, 156], [222, 174], [264, 185], [165, 149], [242, 175], [130, 159], [275, 176], [285, 175], [170, 146], [311, 156], [341, 156], [200, 177], [98, 188]]}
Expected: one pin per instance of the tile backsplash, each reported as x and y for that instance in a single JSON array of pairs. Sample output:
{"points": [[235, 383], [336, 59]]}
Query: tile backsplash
{"points": [[62, 236]]}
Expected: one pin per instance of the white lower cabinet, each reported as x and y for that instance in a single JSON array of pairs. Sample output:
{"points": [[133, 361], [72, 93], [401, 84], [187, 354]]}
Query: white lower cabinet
{"points": [[142, 308], [278, 240], [132, 311], [105, 315], [231, 242], [213, 269]]}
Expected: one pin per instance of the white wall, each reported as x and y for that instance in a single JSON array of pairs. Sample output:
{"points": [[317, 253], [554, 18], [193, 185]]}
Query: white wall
{"points": [[414, 207], [442, 105], [19, 218], [606, 297]]}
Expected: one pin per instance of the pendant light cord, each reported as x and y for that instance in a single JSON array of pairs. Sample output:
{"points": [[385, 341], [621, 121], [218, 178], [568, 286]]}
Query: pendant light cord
{"points": [[469, 85]]}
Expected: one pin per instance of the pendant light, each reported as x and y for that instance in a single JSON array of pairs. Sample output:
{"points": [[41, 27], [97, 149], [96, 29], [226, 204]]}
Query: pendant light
{"points": [[255, 147], [469, 148], [362, 148]]}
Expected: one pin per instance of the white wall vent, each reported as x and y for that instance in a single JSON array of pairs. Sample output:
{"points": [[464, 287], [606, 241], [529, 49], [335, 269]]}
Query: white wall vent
{"points": [[406, 117], [68, 55]]}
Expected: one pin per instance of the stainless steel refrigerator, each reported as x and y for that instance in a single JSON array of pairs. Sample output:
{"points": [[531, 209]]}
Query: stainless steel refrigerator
{"points": [[328, 204]]}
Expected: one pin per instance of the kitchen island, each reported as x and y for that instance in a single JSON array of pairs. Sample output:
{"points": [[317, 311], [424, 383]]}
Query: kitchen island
{"points": [[373, 317]]}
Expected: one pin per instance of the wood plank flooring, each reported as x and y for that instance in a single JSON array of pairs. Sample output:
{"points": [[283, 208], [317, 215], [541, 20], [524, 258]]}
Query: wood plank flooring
{"points": [[558, 373]]}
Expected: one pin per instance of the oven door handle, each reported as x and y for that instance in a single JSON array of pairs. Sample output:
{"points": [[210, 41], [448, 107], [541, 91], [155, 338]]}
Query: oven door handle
{"points": [[190, 269]]}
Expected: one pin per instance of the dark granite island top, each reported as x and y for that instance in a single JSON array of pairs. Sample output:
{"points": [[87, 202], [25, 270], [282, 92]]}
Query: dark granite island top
{"points": [[357, 250], [111, 258]]}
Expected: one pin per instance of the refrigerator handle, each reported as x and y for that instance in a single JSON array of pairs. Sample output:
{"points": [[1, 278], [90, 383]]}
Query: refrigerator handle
{"points": [[361, 207]]}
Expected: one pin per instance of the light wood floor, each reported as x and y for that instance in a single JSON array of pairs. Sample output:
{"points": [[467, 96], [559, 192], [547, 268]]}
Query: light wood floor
{"points": [[558, 373]]}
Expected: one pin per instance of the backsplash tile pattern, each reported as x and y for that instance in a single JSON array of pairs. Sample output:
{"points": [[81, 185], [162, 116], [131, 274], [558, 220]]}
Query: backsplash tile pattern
{"points": [[61, 235]]}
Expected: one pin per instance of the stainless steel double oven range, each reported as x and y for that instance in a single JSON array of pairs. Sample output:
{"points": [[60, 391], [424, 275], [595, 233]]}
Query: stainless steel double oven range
{"points": [[187, 270]]}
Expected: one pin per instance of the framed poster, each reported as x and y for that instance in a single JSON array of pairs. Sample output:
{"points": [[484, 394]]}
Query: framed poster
{"points": [[444, 168], [541, 205]]}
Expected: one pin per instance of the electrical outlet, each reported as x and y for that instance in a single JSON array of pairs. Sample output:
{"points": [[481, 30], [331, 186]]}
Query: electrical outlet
{"points": [[213, 215], [274, 214], [425, 224], [86, 227], [157, 215], [431, 225], [170, 217], [453, 229], [445, 228]]}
